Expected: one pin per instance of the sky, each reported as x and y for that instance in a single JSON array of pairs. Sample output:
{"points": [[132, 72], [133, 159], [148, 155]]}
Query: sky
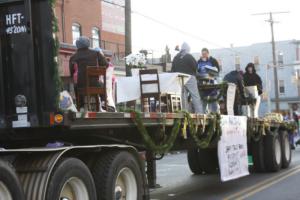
{"points": [[211, 23]]}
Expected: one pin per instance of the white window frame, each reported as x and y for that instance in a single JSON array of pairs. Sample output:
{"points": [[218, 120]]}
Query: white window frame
{"points": [[75, 35], [281, 84], [95, 37]]}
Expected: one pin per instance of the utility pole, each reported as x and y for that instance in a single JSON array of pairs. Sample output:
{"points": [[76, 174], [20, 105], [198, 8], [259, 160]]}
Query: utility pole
{"points": [[271, 21], [128, 42]]}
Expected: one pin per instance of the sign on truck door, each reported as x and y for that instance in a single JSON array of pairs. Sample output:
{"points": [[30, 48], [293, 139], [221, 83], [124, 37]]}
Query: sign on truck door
{"points": [[18, 83]]}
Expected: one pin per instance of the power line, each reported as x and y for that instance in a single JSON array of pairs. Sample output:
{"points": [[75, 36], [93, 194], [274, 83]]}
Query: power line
{"points": [[113, 3], [273, 13], [174, 28], [181, 31]]}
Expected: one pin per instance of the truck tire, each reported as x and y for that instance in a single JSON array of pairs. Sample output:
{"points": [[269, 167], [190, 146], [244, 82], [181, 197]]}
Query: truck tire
{"points": [[203, 161], [10, 187], [193, 160], [273, 152], [72, 180], [285, 149], [257, 148], [117, 174]]}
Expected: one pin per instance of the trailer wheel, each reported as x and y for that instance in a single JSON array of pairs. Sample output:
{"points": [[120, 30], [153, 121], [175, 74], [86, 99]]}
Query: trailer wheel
{"points": [[203, 161], [273, 152], [258, 155], [118, 175], [10, 187], [72, 180], [285, 149], [193, 160]]}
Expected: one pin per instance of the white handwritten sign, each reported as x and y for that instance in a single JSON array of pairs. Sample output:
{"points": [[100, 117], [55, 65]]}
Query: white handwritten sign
{"points": [[230, 98], [232, 148], [15, 23]]}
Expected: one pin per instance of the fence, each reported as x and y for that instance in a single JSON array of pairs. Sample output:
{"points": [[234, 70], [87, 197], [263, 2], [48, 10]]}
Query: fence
{"points": [[117, 49]]}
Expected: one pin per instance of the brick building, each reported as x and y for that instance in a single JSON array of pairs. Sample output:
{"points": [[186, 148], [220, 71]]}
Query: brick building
{"points": [[102, 22]]}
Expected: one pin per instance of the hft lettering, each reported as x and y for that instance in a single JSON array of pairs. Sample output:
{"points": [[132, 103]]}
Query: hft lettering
{"points": [[12, 19]]}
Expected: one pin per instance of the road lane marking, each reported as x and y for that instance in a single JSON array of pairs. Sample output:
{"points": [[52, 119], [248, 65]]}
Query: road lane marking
{"points": [[262, 183], [267, 185]]}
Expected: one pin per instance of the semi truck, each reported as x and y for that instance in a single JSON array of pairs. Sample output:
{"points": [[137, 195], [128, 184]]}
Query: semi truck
{"points": [[50, 154]]}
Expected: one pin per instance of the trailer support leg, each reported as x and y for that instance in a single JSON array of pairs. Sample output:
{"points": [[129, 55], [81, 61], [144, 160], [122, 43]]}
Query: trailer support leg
{"points": [[151, 169]]}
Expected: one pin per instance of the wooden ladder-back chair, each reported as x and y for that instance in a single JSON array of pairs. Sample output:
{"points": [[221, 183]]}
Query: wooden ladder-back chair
{"points": [[147, 96], [96, 91]]}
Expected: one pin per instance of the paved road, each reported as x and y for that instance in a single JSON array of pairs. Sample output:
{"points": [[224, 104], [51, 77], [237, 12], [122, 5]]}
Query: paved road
{"points": [[178, 183]]}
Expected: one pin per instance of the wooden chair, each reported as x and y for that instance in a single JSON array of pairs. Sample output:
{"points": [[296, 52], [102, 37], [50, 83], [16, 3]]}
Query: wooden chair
{"points": [[146, 97], [174, 102], [170, 102], [96, 91]]}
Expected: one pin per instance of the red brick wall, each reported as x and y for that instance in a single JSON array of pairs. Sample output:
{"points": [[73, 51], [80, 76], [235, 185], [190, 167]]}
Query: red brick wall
{"points": [[113, 42], [112, 37], [87, 13]]}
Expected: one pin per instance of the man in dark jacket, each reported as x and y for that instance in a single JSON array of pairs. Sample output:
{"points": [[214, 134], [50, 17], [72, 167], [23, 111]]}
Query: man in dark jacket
{"points": [[184, 62], [236, 77], [83, 58], [251, 78]]}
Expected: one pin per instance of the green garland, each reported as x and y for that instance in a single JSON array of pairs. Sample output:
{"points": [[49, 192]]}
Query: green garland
{"points": [[255, 131], [167, 143], [55, 29], [290, 126], [198, 133]]}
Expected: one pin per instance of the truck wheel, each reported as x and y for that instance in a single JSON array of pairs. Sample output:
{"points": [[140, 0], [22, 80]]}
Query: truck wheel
{"points": [[203, 161], [118, 175], [193, 160], [258, 155], [10, 187], [208, 159], [71, 180], [273, 155], [285, 149]]}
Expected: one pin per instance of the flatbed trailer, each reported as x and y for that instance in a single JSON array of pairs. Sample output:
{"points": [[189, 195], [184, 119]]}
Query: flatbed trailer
{"points": [[48, 154], [91, 136]]}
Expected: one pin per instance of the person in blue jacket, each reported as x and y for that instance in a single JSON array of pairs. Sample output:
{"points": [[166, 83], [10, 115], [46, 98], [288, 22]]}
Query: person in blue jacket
{"points": [[208, 71]]}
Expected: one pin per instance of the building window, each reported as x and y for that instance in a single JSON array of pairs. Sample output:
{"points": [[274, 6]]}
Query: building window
{"points": [[256, 62], [281, 87], [280, 59], [76, 32], [95, 37], [220, 63], [237, 62]]}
